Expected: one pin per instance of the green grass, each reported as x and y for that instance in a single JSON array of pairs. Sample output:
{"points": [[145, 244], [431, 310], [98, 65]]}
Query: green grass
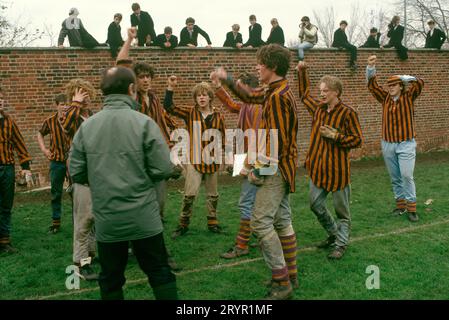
{"points": [[413, 262]]}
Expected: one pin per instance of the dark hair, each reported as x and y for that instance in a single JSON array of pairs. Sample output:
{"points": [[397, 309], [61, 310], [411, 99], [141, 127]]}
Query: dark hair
{"points": [[60, 98], [135, 6], [249, 79], [168, 30], [275, 57], [305, 19], [344, 22], [116, 80], [190, 20], [118, 15], [142, 67], [252, 17], [373, 30]]}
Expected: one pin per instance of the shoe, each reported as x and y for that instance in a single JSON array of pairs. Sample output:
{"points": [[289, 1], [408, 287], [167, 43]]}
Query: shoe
{"points": [[235, 252], [327, 243], [173, 265], [216, 229], [398, 212], [412, 216], [179, 232], [278, 292], [8, 249], [54, 229], [353, 67], [87, 273], [337, 253]]}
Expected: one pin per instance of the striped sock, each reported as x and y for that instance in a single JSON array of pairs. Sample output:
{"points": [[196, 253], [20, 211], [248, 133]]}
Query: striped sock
{"points": [[56, 223], [244, 234], [289, 247], [4, 240], [184, 222], [411, 207], [212, 221], [401, 204], [281, 276]]}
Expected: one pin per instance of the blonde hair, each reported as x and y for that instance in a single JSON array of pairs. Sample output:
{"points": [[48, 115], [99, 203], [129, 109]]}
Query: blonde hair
{"points": [[333, 83], [80, 83], [203, 87]]}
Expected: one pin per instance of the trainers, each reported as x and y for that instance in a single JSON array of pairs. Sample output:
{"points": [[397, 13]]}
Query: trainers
{"points": [[278, 292], [412, 216], [235, 252], [327, 243], [398, 212], [337, 253], [54, 229], [216, 229], [87, 273], [179, 232], [8, 248]]}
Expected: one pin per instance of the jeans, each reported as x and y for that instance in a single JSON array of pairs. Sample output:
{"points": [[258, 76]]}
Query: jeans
{"points": [[304, 47], [247, 198], [7, 180], [400, 161], [151, 255], [57, 177], [341, 230]]}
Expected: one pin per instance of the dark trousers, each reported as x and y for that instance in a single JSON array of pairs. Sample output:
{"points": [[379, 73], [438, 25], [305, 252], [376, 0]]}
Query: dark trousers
{"points": [[7, 180], [151, 255], [353, 51], [57, 176], [400, 49]]}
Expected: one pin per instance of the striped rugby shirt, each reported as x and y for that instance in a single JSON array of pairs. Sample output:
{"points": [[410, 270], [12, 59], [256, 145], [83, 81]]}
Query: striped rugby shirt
{"points": [[11, 139], [59, 142]]}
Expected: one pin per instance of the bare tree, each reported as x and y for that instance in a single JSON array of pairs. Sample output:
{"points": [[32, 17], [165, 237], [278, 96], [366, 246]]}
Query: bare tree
{"points": [[325, 21], [418, 13]]}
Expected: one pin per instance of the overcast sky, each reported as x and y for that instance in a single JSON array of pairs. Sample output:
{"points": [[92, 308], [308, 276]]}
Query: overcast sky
{"points": [[214, 16]]}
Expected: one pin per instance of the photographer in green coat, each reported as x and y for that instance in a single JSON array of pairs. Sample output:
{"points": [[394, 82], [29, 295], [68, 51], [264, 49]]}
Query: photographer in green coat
{"points": [[122, 154]]}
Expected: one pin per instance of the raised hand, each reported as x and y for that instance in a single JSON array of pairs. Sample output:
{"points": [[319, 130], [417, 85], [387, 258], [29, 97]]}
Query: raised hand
{"points": [[372, 61]]}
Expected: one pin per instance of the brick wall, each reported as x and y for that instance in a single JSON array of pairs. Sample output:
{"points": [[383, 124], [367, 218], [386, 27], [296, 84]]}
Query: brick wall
{"points": [[32, 76]]}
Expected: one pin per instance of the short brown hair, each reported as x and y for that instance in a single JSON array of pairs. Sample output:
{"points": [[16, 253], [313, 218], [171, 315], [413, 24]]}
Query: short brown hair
{"points": [[344, 22], [333, 83], [135, 6], [203, 87], [118, 15], [60, 98], [143, 67], [168, 30], [77, 84], [190, 20], [275, 57], [252, 17]]}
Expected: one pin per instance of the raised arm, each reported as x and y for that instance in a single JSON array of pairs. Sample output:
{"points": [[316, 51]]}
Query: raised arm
{"points": [[416, 86], [310, 103], [377, 91], [169, 106], [123, 56]]}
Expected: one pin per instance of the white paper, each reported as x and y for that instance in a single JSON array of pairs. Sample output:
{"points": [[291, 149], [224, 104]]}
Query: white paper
{"points": [[239, 161]]}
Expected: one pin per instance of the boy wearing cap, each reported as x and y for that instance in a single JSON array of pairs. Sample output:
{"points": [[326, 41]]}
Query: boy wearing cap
{"points": [[398, 134]]}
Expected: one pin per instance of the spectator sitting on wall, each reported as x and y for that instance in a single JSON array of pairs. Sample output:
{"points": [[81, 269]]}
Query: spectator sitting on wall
{"points": [[189, 35], [234, 38], [373, 39], [276, 33], [115, 39], [166, 40], [77, 34], [435, 37]]}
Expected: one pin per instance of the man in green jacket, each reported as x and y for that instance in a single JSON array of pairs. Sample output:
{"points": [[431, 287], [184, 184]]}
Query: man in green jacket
{"points": [[122, 154]]}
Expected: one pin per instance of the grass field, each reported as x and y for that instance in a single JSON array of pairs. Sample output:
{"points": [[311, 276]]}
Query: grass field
{"points": [[413, 259]]}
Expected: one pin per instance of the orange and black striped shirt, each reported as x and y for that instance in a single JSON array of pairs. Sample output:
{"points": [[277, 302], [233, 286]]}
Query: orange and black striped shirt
{"points": [[278, 113], [398, 123], [59, 143], [196, 127], [156, 112], [327, 160], [11, 139], [73, 119]]}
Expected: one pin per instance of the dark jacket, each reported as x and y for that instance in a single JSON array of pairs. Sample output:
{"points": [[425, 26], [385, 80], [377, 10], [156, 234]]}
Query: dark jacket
{"points": [[162, 39], [231, 42], [276, 36], [372, 42], [255, 36], [340, 39], [395, 35], [114, 35], [436, 40], [77, 37], [145, 27], [185, 38]]}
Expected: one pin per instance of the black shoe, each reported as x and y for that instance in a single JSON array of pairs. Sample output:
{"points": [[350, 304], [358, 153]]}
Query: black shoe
{"points": [[54, 229], [8, 249], [179, 232], [398, 212], [327, 243], [412, 216], [87, 273]]}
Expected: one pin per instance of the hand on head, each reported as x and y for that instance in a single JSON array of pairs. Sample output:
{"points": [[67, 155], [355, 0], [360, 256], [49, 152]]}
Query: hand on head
{"points": [[80, 95]]}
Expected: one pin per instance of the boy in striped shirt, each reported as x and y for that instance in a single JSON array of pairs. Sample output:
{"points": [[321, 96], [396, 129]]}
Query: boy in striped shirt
{"points": [[398, 134], [57, 154], [10, 140], [335, 131]]}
